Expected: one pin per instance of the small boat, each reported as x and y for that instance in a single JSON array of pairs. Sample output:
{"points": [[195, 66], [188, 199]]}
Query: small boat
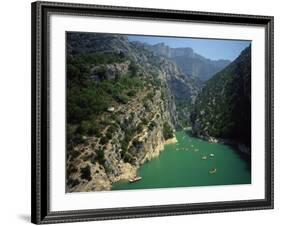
{"points": [[204, 157], [212, 171], [212, 155], [196, 150], [135, 179]]}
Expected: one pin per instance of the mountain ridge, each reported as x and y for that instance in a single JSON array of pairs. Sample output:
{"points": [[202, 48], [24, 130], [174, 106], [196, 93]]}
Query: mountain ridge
{"points": [[191, 62]]}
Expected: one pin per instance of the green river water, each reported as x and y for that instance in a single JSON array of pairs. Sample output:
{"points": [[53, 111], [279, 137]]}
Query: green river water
{"points": [[181, 165]]}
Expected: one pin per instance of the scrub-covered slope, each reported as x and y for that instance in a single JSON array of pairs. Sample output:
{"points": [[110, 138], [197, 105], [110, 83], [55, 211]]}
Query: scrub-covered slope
{"points": [[223, 108]]}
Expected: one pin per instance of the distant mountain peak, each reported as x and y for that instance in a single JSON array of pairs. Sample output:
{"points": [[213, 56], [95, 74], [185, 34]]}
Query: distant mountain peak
{"points": [[190, 62]]}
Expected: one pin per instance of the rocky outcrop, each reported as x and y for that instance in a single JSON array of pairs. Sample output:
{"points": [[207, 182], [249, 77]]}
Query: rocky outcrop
{"points": [[109, 71]]}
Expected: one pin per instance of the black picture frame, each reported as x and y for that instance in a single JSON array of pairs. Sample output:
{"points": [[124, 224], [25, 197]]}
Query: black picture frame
{"points": [[40, 211]]}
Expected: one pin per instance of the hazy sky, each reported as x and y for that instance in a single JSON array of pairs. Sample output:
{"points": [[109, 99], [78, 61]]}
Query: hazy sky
{"points": [[210, 48]]}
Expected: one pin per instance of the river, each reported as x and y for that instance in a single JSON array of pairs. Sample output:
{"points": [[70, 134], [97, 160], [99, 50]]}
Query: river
{"points": [[181, 165]]}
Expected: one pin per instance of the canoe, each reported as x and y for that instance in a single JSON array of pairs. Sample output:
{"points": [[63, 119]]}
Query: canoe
{"points": [[212, 171]]}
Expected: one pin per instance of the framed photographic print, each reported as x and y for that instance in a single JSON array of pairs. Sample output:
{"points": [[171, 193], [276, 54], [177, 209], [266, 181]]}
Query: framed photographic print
{"points": [[149, 112]]}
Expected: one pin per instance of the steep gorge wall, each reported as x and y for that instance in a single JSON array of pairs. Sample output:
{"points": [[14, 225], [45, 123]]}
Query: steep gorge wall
{"points": [[144, 121], [223, 108], [136, 127]]}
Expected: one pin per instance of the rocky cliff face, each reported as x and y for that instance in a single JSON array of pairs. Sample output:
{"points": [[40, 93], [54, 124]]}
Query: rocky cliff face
{"points": [[190, 62], [137, 136], [110, 71], [128, 96], [183, 87]]}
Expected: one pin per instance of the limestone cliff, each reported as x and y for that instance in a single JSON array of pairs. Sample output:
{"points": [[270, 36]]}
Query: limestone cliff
{"points": [[128, 96]]}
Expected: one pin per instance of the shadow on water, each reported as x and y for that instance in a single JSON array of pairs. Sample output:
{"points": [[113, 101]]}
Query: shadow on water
{"points": [[243, 156], [246, 158], [189, 133]]}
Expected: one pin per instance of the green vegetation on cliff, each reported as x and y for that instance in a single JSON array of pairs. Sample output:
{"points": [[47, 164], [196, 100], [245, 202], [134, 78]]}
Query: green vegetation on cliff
{"points": [[167, 131], [223, 108], [87, 98]]}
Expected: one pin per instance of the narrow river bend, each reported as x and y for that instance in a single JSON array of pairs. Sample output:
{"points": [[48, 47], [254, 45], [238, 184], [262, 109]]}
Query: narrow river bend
{"points": [[188, 163]]}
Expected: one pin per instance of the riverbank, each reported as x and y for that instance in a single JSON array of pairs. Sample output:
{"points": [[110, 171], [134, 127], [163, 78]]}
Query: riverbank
{"points": [[129, 171], [103, 181], [244, 149]]}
